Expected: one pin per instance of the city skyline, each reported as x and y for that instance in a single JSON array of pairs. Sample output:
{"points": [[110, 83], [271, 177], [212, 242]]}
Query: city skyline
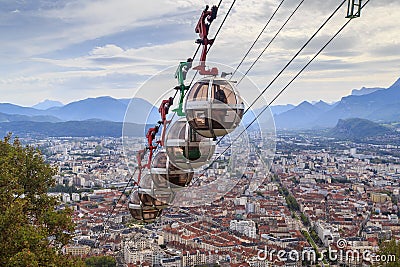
{"points": [[67, 51]]}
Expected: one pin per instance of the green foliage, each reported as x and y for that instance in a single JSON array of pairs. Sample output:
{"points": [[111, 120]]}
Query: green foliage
{"points": [[32, 231], [295, 181], [312, 243], [284, 191], [394, 200], [101, 261], [390, 250], [305, 220], [292, 203], [315, 236]]}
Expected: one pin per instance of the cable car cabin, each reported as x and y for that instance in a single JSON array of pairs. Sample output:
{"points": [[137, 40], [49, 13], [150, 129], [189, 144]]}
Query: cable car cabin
{"points": [[166, 175], [186, 149], [141, 212], [213, 107], [153, 196]]}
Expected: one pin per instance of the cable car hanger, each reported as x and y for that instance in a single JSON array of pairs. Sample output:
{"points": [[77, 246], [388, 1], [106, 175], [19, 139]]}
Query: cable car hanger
{"points": [[180, 75], [202, 28]]}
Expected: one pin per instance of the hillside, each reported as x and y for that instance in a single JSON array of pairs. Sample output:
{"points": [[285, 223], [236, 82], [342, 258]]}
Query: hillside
{"points": [[69, 128], [38, 118], [375, 104], [46, 104], [301, 116], [356, 129], [365, 91]]}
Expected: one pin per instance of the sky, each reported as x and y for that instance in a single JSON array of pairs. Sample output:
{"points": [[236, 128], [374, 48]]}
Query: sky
{"points": [[67, 50]]}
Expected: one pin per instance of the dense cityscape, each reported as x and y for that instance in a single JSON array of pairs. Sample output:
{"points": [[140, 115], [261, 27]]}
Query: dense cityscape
{"points": [[324, 201]]}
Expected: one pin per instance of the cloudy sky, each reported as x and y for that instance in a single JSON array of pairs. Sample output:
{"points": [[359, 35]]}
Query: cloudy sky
{"points": [[67, 50]]}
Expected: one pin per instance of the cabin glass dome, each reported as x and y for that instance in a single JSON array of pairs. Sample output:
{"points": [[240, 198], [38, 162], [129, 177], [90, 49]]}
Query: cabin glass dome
{"points": [[213, 107], [166, 175], [153, 196], [139, 210], [187, 149]]}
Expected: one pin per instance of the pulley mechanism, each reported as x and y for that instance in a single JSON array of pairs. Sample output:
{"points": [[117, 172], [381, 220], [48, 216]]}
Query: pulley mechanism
{"points": [[353, 9]]}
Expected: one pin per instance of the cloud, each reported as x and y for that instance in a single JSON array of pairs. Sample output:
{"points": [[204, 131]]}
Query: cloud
{"points": [[58, 47], [107, 50]]}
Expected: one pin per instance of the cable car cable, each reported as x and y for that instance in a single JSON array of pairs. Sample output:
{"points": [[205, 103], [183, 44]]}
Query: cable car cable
{"points": [[258, 37], [295, 56], [223, 21], [290, 61], [270, 42]]}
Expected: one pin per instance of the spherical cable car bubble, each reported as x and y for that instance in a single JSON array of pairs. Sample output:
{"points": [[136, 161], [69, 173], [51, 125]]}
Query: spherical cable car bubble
{"points": [[154, 196], [166, 174], [139, 210], [213, 107], [187, 149], [229, 165]]}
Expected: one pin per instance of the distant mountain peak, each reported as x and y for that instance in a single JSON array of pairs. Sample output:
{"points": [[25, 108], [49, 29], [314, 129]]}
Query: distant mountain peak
{"points": [[47, 103], [323, 106], [396, 84], [365, 90], [104, 108], [305, 103]]}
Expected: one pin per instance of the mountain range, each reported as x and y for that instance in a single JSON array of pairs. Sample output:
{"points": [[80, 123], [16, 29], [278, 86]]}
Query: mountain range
{"points": [[101, 108], [375, 104], [69, 128], [381, 105]]}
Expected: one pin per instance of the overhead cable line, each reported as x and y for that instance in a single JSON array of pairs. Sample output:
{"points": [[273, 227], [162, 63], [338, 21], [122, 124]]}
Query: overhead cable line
{"points": [[258, 37], [223, 21], [273, 38], [295, 56], [291, 60]]}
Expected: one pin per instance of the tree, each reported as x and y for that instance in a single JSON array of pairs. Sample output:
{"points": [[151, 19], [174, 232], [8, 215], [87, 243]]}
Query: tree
{"points": [[389, 252], [101, 261], [33, 231]]}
